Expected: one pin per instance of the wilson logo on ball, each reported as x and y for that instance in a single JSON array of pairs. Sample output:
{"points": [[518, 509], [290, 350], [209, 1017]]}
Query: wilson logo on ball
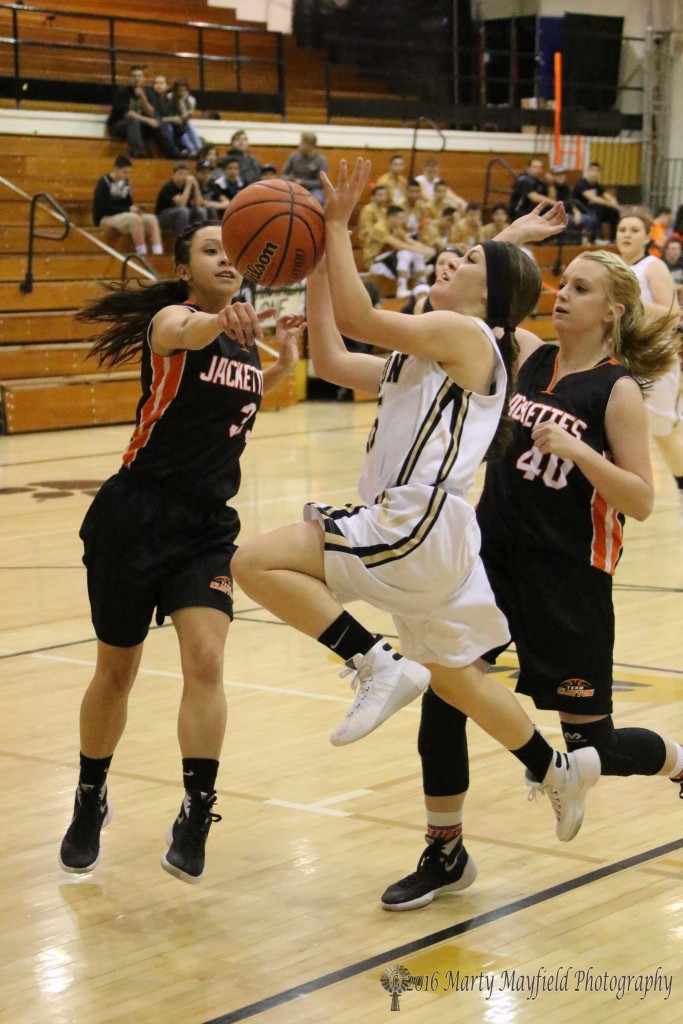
{"points": [[257, 269]]}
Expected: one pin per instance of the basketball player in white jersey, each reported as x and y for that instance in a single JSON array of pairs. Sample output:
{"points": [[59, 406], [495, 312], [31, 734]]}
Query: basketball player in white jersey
{"points": [[663, 399], [413, 548]]}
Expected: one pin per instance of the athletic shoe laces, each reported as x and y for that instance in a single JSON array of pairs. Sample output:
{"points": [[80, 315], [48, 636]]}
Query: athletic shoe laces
{"points": [[361, 676]]}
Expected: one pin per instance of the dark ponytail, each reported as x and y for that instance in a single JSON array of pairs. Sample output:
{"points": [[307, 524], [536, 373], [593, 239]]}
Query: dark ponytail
{"points": [[513, 283], [129, 308]]}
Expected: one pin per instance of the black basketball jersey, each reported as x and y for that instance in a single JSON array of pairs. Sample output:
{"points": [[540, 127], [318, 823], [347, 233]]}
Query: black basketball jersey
{"points": [[544, 500], [194, 418]]}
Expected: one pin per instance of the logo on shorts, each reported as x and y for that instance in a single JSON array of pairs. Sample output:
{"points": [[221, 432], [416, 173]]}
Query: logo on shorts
{"points": [[576, 688], [223, 584]]}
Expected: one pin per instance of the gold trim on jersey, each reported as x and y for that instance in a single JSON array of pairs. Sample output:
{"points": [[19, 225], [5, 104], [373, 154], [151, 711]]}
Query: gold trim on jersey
{"points": [[449, 392]]}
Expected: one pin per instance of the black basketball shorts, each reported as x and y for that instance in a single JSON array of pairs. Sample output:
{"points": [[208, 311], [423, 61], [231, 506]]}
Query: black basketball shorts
{"points": [[145, 549], [561, 619]]}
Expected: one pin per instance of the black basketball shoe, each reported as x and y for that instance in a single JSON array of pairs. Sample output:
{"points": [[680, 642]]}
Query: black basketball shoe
{"points": [[80, 849], [187, 837], [437, 871]]}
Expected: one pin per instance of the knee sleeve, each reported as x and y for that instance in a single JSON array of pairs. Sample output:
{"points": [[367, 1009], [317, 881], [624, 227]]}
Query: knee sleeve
{"points": [[622, 751], [442, 746]]}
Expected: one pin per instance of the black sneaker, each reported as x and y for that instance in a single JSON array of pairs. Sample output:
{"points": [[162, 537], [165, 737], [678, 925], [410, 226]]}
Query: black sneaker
{"points": [[678, 781], [436, 872], [187, 837], [80, 849]]}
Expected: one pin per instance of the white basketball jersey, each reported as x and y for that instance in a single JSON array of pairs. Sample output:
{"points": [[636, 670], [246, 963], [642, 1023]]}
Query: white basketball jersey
{"points": [[640, 270], [429, 430]]}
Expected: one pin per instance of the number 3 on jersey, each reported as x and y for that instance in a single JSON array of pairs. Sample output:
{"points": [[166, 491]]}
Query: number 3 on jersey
{"points": [[554, 473], [248, 413]]}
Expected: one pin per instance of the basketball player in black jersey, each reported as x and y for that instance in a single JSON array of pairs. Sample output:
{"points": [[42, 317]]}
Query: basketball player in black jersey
{"points": [[159, 533], [551, 514]]}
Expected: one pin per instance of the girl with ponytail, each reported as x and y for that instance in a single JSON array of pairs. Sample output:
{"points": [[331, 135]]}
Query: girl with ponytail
{"points": [[159, 535], [413, 548]]}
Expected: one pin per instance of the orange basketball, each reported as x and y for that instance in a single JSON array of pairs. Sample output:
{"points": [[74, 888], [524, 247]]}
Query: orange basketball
{"points": [[273, 232]]}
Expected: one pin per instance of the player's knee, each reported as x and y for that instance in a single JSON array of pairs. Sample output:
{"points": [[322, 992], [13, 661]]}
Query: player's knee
{"points": [[205, 663], [246, 563]]}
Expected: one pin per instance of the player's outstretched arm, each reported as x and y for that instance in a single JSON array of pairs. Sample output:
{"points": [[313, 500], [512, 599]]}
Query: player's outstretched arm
{"points": [[331, 359], [175, 328], [535, 226], [290, 328]]}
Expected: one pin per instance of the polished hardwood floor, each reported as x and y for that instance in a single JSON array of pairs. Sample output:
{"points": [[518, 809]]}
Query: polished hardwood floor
{"points": [[286, 926]]}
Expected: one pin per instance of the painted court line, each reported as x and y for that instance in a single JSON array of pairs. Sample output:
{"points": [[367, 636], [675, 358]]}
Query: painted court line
{"points": [[417, 945]]}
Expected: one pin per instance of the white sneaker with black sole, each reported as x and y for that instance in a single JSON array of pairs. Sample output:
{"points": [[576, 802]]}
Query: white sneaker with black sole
{"points": [[566, 784], [384, 682]]}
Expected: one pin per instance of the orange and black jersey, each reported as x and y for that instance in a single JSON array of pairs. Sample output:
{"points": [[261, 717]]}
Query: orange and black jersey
{"points": [[194, 418], [543, 500]]}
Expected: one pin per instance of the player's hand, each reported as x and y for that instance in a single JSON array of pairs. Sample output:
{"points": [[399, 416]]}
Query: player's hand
{"points": [[552, 439], [536, 226], [241, 322], [288, 332], [341, 201]]}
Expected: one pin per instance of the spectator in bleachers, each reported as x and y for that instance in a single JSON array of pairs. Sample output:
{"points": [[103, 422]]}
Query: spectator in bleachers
{"points": [[428, 181], [163, 108], [249, 167], [592, 196], [661, 229], [416, 208], [529, 189], [179, 202], [581, 225], [209, 154], [183, 107], [370, 214], [133, 116], [214, 207], [395, 180], [113, 207], [672, 254], [268, 171], [466, 230], [443, 197], [499, 221], [437, 231], [305, 164], [229, 183], [390, 252]]}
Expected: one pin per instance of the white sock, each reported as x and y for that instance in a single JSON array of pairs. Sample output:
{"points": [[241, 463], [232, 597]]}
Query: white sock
{"points": [[141, 250], [678, 767], [446, 825], [157, 249]]}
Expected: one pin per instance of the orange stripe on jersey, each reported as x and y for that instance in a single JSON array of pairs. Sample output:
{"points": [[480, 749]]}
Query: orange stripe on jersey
{"points": [[607, 535], [603, 362], [167, 373]]}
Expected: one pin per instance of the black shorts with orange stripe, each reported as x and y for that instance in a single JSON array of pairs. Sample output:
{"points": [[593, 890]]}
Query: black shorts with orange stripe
{"points": [[561, 619], [145, 549]]}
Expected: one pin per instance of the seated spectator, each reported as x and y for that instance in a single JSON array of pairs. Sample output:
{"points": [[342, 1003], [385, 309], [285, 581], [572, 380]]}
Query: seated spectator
{"points": [[179, 202], [208, 154], [113, 207], [370, 214], [304, 166], [394, 254], [416, 208], [593, 198], [163, 110], [428, 181], [395, 180], [133, 116], [183, 106], [672, 254], [229, 183], [466, 230], [268, 171], [660, 229], [581, 226], [499, 221], [443, 197], [437, 232], [214, 207], [249, 167], [528, 190]]}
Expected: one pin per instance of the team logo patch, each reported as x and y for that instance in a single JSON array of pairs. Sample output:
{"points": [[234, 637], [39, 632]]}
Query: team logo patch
{"points": [[223, 584], [576, 688]]}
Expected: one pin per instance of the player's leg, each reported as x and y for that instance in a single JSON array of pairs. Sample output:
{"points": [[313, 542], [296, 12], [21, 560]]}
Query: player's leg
{"points": [[285, 572], [202, 633], [102, 720]]}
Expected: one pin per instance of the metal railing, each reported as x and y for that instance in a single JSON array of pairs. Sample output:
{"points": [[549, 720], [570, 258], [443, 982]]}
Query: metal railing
{"points": [[26, 285]]}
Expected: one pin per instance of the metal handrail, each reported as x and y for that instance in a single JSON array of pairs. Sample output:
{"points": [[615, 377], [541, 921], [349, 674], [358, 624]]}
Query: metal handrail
{"points": [[26, 285], [140, 259], [487, 178]]}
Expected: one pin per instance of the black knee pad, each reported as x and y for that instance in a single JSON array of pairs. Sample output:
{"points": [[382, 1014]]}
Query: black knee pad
{"points": [[622, 751], [442, 746]]}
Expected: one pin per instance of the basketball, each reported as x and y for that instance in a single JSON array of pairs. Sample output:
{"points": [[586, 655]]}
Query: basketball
{"points": [[273, 232]]}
